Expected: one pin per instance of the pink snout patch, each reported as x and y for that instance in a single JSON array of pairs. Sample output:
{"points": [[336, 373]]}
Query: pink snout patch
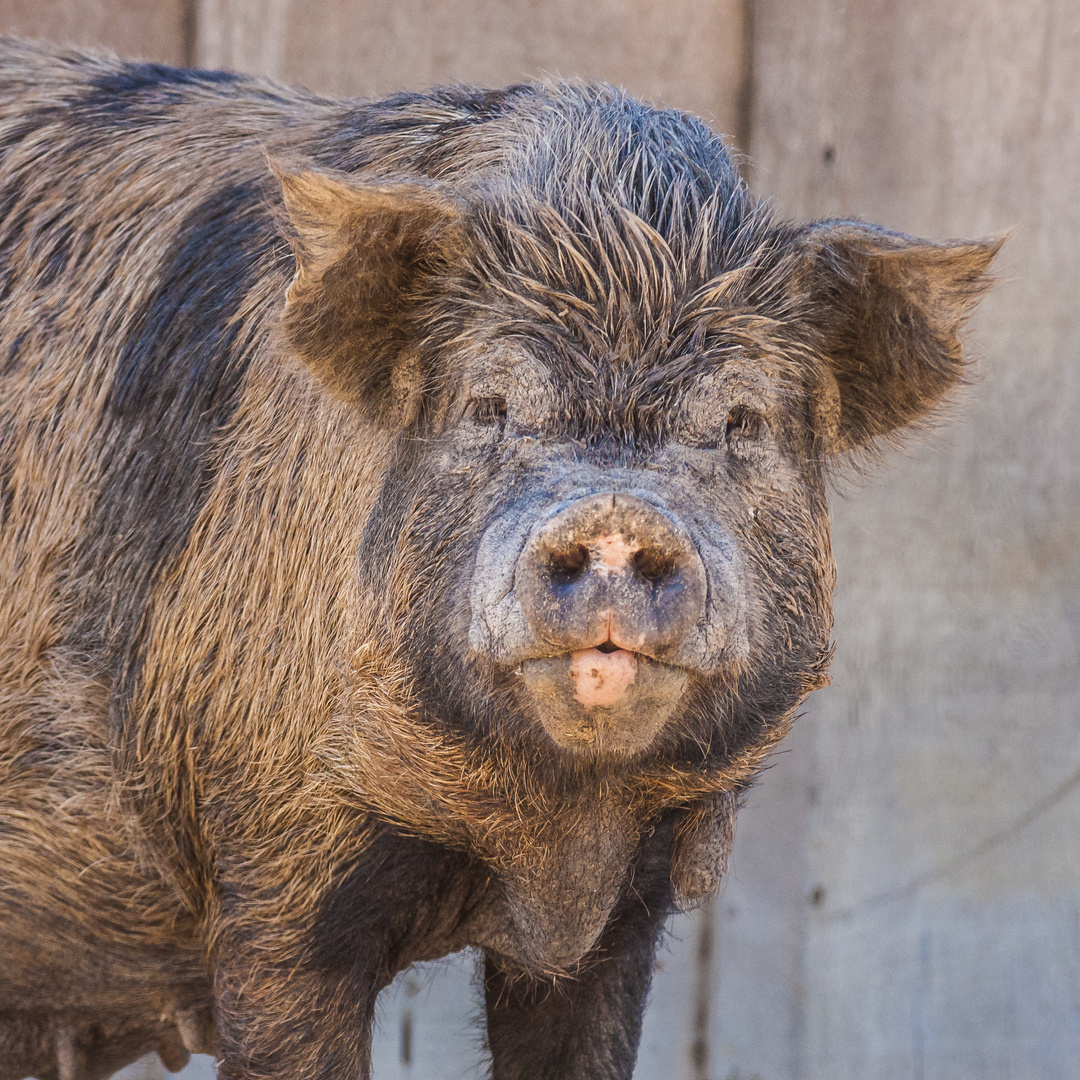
{"points": [[601, 678], [611, 554]]}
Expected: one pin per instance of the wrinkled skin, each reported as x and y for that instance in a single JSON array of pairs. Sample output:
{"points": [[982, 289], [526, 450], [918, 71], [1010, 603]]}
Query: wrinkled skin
{"points": [[509, 479], [414, 540]]}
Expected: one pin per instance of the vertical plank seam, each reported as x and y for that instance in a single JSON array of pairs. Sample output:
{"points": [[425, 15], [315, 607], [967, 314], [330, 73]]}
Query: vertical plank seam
{"points": [[744, 105], [189, 33], [700, 1046]]}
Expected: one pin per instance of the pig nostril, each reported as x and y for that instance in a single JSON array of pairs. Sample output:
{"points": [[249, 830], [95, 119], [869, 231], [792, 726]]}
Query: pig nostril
{"points": [[566, 565], [654, 566]]}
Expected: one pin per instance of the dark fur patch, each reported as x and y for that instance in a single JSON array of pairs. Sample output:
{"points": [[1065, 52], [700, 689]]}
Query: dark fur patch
{"points": [[363, 922], [346, 146], [151, 89], [7, 490], [11, 360], [175, 385]]}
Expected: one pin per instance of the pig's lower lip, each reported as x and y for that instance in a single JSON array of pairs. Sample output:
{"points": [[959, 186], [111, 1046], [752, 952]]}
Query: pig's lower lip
{"points": [[597, 701], [602, 676]]}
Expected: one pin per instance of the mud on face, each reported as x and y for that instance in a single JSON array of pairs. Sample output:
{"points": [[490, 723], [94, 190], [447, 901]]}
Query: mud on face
{"points": [[612, 590]]}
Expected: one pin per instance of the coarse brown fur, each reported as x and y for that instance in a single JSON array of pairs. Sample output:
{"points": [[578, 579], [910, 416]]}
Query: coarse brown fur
{"points": [[248, 766]]}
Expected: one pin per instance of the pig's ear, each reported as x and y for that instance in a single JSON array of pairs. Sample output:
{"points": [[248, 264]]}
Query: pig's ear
{"points": [[368, 259], [887, 310]]}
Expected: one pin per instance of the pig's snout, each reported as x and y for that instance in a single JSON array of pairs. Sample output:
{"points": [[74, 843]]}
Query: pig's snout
{"points": [[611, 572], [611, 586]]}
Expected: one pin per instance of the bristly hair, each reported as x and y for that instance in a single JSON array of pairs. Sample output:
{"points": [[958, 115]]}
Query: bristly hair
{"points": [[630, 208], [603, 230]]}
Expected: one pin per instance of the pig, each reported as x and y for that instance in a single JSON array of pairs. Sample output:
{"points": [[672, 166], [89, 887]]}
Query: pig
{"points": [[413, 536]]}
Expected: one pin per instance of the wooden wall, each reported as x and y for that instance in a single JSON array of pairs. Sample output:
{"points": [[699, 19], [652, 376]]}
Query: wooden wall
{"points": [[932, 797], [683, 51], [153, 29], [905, 895]]}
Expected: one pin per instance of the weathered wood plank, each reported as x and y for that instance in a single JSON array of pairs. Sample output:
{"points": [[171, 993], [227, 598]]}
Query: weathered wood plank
{"points": [[151, 29], [200, 1067], [685, 52], [429, 1023]]}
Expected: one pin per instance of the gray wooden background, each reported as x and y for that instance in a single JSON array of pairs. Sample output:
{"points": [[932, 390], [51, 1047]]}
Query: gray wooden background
{"points": [[904, 901]]}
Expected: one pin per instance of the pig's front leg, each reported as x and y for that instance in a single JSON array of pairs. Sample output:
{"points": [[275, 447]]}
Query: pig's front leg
{"points": [[585, 1027], [303, 1022], [298, 971]]}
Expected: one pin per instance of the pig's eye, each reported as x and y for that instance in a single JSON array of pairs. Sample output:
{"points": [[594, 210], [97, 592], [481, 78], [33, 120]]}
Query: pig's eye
{"points": [[487, 410], [744, 424]]}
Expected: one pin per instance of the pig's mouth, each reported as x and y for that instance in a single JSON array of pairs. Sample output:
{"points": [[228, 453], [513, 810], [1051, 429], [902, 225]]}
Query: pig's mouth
{"points": [[605, 699], [603, 674]]}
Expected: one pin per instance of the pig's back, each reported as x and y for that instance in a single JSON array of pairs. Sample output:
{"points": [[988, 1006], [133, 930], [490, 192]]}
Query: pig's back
{"points": [[133, 224]]}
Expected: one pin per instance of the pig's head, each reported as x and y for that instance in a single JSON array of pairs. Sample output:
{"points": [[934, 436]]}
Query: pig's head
{"points": [[617, 386], [614, 386]]}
